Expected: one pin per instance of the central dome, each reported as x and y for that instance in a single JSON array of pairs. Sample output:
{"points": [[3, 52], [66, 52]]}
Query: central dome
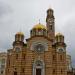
{"points": [[39, 26]]}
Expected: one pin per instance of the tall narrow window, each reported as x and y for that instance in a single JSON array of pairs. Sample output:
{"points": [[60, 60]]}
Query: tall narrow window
{"points": [[9, 62], [22, 70], [8, 70], [54, 57], [53, 71], [44, 32], [61, 71], [34, 32], [31, 32], [51, 27], [61, 58], [23, 56], [2, 72], [16, 56]]}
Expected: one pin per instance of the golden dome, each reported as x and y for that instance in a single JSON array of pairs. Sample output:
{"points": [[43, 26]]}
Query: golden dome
{"points": [[59, 34], [39, 26], [19, 33]]}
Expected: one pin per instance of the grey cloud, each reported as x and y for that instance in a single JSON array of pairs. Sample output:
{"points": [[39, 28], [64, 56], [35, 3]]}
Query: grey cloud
{"points": [[69, 32], [5, 16], [4, 9], [16, 14]]}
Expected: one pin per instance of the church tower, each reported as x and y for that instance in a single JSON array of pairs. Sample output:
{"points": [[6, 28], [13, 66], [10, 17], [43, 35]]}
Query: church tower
{"points": [[61, 54], [50, 24]]}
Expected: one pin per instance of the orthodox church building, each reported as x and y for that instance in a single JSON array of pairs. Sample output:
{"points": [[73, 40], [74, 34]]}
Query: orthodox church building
{"points": [[44, 53]]}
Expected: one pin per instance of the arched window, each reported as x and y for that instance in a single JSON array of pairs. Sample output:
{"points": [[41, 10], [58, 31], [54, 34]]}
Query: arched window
{"points": [[51, 27], [38, 63], [61, 57], [16, 56], [23, 56], [39, 32], [44, 32], [34, 32], [53, 71], [54, 57], [22, 70], [9, 62], [31, 32], [61, 71]]}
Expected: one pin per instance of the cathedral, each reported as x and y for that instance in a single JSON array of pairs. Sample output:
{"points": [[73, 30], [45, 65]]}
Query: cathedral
{"points": [[43, 53]]}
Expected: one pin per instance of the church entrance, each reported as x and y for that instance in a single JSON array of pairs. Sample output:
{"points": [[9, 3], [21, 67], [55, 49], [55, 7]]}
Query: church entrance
{"points": [[15, 73], [38, 71], [38, 68]]}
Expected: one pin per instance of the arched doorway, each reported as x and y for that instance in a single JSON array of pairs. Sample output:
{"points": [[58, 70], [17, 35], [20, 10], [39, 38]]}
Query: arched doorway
{"points": [[38, 71], [38, 68], [15, 73]]}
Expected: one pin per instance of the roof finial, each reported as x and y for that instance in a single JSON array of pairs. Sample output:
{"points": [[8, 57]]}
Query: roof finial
{"points": [[49, 6], [20, 29], [39, 21]]}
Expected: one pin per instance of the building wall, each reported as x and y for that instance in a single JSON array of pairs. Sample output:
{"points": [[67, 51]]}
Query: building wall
{"points": [[45, 54], [3, 57], [26, 58], [69, 65]]}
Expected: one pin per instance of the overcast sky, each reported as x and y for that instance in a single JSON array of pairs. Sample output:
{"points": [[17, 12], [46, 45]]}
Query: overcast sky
{"points": [[16, 15]]}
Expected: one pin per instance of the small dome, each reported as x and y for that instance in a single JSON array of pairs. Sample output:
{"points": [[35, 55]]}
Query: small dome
{"points": [[39, 26], [19, 33], [59, 34], [50, 9]]}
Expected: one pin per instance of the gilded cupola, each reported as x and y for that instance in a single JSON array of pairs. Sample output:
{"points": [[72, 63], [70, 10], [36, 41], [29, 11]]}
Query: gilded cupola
{"points": [[39, 26], [59, 37], [38, 29], [19, 36]]}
